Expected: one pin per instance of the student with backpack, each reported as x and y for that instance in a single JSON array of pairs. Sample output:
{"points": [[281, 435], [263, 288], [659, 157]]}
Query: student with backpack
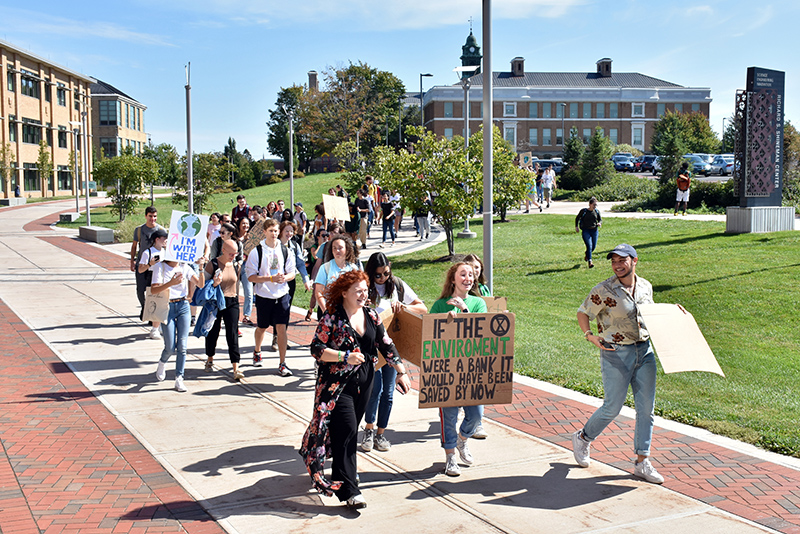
{"points": [[588, 221], [270, 266]]}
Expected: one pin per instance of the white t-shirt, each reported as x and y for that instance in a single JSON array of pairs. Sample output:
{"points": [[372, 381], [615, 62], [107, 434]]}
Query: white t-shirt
{"points": [[149, 253], [548, 178], [385, 303], [213, 232], [163, 273], [272, 262]]}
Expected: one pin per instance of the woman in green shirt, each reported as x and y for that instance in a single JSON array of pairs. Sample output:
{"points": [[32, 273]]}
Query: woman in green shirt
{"points": [[456, 299], [480, 289]]}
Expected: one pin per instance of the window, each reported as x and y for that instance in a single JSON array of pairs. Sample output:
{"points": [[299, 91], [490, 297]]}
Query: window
{"points": [[660, 109], [48, 132], [601, 111], [546, 140], [62, 137], [695, 107], [64, 178], [587, 135], [448, 133], [510, 135], [559, 137], [11, 80], [637, 137], [61, 95], [47, 92], [678, 108], [31, 131], [12, 128], [29, 86], [127, 116], [613, 110], [638, 109], [587, 110], [560, 110], [77, 105], [108, 112], [573, 110], [547, 110], [31, 177], [448, 109], [108, 146], [612, 135], [141, 120], [533, 110], [510, 109], [533, 136]]}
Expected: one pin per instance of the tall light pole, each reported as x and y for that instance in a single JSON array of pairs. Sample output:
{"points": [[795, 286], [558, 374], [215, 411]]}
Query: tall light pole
{"points": [[488, 134], [421, 107], [75, 178], [563, 108], [466, 232], [189, 170], [85, 158], [290, 116]]}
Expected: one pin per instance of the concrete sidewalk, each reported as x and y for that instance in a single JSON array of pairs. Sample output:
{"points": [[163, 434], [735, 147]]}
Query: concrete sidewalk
{"points": [[232, 447]]}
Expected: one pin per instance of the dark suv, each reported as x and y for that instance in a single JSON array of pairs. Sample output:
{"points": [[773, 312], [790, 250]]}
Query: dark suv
{"points": [[544, 163], [647, 163]]}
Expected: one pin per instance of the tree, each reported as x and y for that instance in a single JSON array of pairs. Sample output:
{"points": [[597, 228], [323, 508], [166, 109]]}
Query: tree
{"points": [[6, 166], [573, 149], [126, 174], [791, 147], [700, 138], [167, 163], [356, 105], [45, 165], [729, 136], [438, 166], [669, 142], [305, 150], [209, 173], [509, 182], [597, 168]]}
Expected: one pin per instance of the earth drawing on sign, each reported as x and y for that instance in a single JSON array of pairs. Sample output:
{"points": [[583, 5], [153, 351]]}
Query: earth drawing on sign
{"points": [[189, 225]]}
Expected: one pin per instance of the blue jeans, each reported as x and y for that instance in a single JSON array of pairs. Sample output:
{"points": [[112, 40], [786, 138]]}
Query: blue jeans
{"points": [[539, 193], [247, 289], [176, 334], [380, 402], [590, 239], [388, 225], [633, 365], [449, 419]]}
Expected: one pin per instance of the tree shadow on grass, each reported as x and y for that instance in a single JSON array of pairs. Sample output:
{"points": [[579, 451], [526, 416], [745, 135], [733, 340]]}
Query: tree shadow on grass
{"points": [[554, 270], [667, 287]]}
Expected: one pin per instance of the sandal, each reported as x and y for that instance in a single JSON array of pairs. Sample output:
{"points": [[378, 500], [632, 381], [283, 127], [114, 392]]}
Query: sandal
{"points": [[247, 320]]}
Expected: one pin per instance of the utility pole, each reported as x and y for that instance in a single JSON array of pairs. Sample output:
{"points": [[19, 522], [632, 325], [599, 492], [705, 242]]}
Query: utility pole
{"points": [[189, 171]]}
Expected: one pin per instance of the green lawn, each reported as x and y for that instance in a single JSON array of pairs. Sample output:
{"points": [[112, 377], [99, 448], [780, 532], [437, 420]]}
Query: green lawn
{"points": [[741, 289]]}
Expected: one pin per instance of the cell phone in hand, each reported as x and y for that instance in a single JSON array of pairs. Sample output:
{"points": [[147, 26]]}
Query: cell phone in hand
{"points": [[606, 345], [156, 258], [217, 273]]}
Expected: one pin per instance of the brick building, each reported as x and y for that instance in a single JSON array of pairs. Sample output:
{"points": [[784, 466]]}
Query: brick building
{"points": [[40, 100], [117, 121], [534, 109]]}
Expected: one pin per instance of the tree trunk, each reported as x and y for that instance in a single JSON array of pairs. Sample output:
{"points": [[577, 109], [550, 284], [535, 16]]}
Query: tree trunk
{"points": [[448, 232]]}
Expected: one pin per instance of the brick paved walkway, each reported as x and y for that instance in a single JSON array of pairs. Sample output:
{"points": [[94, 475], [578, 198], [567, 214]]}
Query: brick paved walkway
{"points": [[66, 463]]}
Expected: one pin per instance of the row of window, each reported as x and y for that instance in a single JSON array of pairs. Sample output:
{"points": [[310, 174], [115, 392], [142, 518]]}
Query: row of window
{"points": [[574, 110], [31, 86], [510, 135], [32, 132], [112, 113], [112, 146], [32, 179]]}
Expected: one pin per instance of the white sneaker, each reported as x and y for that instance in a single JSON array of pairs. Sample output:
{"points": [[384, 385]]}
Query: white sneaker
{"points": [[381, 443], [368, 440], [357, 502], [451, 468], [480, 433], [179, 385], [645, 470], [155, 333], [463, 451], [161, 371], [580, 449]]}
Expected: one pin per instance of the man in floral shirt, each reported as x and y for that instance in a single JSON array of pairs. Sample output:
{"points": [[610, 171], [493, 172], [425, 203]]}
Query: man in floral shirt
{"points": [[626, 357]]}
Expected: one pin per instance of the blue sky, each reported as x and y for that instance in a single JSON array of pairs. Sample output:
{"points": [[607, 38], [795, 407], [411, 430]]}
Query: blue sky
{"points": [[242, 52]]}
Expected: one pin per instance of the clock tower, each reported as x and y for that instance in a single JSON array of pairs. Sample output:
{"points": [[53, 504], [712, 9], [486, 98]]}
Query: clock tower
{"points": [[471, 56]]}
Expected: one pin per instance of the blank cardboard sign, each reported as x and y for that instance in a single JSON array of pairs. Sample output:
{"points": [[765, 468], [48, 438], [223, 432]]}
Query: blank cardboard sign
{"points": [[336, 208], [677, 340]]}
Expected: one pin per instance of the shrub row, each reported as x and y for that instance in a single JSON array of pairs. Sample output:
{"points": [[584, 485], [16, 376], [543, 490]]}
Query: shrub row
{"points": [[620, 187]]}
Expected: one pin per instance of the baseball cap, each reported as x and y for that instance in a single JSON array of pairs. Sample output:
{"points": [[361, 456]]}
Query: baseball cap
{"points": [[623, 249], [298, 204], [160, 233]]}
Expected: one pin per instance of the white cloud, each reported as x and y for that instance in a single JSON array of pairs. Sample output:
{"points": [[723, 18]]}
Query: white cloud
{"points": [[700, 11]]}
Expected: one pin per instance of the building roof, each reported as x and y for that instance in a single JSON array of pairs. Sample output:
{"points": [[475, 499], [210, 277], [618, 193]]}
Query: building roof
{"points": [[572, 79], [39, 59], [101, 88]]}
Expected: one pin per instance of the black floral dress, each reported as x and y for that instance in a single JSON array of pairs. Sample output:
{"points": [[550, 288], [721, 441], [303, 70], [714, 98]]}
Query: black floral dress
{"points": [[334, 331]]}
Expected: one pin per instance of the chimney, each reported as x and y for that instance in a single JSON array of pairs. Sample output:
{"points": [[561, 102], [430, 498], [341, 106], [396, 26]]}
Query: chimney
{"points": [[518, 66], [604, 67], [313, 85]]}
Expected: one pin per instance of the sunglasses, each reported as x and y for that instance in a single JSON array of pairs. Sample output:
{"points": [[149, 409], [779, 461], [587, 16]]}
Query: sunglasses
{"points": [[324, 235], [384, 274]]}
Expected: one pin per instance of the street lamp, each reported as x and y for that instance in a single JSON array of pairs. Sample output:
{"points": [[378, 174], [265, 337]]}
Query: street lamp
{"points": [[290, 115], [466, 233], [421, 109], [563, 107], [75, 130]]}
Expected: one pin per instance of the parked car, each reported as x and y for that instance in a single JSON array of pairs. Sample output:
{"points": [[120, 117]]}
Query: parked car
{"points": [[722, 165], [698, 164], [637, 163], [656, 165], [708, 158], [557, 165], [622, 164], [647, 163], [628, 154]]}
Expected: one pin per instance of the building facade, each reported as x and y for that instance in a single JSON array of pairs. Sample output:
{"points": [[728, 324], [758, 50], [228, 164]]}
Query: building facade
{"points": [[534, 110], [117, 121], [41, 101]]}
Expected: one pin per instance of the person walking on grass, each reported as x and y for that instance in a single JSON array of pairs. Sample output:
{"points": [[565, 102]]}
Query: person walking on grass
{"points": [[270, 266], [588, 222], [626, 358], [684, 182]]}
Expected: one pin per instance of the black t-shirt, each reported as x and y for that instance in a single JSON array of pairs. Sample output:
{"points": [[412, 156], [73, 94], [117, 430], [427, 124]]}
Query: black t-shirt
{"points": [[362, 204], [388, 210]]}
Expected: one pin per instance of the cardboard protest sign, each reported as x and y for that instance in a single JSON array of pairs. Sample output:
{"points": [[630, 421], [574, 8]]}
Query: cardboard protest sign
{"points": [[677, 340], [187, 237], [405, 329], [496, 304], [525, 159], [336, 208], [468, 360], [254, 237]]}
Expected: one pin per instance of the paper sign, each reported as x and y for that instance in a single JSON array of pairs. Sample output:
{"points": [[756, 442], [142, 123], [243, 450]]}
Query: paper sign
{"points": [[677, 340], [525, 159], [254, 237], [187, 237], [496, 304], [468, 360], [336, 208]]}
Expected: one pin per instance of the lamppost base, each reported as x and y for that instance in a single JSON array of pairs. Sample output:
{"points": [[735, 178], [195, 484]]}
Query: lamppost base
{"points": [[466, 234]]}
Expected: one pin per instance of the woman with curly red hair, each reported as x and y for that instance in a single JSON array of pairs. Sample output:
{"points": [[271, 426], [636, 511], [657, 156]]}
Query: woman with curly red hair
{"points": [[346, 344]]}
